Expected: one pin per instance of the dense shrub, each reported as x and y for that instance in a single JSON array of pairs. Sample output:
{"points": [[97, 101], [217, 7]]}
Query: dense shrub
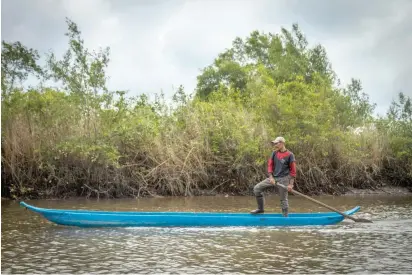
{"points": [[83, 140]]}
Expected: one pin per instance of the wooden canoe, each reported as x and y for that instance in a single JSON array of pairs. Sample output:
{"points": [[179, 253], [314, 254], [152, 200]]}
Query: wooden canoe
{"points": [[94, 218]]}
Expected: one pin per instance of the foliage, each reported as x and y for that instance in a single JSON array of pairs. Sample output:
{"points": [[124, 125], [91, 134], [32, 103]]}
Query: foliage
{"points": [[17, 63], [85, 140], [284, 56]]}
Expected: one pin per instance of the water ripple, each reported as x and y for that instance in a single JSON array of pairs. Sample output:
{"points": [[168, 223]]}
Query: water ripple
{"points": [[32, 245]]}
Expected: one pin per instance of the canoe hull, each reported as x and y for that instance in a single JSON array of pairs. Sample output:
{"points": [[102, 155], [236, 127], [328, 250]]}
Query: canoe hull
{"points": [[85, 218]]}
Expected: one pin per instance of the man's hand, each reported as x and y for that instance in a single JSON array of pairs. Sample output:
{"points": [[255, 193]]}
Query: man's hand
{"points": [[272, 180], [290, 185]]}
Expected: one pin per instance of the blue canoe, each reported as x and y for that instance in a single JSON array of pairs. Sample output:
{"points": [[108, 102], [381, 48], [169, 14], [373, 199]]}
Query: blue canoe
{"points": [[94, 218]]}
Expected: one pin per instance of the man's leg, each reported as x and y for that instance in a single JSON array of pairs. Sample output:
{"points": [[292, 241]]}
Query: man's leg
{"points": [[283, 193], [258, 191]]}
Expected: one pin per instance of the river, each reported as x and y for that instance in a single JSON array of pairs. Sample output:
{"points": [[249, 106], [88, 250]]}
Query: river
{"points": [[31, 244]]}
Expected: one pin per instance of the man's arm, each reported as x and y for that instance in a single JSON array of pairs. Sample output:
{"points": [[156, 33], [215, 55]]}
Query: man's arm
{"points": [[292, 172], [292, 169], [271, 167]]}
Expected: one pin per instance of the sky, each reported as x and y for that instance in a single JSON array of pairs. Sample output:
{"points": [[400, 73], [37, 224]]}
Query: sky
{"points": [[160, 44]]}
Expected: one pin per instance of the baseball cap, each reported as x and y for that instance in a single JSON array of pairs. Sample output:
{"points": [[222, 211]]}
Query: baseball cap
{"points": [[278, 139]]}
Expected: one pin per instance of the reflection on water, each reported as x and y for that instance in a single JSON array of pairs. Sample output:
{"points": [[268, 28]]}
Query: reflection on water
{"points": [[31, 244]]}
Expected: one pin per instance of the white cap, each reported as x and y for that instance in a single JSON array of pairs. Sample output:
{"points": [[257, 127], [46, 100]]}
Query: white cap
{"points": [[279, 139]]}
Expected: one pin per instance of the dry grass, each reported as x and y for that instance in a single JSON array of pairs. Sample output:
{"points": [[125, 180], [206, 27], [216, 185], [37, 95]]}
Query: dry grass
{"points": [[205, 150]]}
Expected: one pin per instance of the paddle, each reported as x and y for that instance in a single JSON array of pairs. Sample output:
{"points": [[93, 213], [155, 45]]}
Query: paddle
{"points": [[327, 206]]}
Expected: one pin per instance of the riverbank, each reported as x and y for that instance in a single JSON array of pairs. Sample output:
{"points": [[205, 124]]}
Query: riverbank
{"points": [[385, 191]]}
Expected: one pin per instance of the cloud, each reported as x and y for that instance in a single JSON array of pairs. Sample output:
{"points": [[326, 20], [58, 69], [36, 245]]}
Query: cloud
{"points": [[369, 40], [160, 44]]}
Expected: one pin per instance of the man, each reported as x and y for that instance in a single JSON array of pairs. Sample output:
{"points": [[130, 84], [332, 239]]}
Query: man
{"points": [[281, 169]]}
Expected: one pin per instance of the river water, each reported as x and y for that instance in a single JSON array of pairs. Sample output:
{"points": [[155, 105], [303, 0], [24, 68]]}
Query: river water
{"points": [[31, 244]]}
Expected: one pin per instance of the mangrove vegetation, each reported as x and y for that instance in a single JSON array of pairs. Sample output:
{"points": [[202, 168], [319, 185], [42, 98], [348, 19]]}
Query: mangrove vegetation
{"points": [[72, 136]]}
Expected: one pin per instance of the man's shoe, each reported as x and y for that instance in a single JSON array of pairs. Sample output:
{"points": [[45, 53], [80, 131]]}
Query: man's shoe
{"points": [[257, 211], [260, 203]]}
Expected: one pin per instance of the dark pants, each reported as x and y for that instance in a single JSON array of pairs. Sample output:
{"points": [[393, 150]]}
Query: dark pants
{"points": [[283, 193]]}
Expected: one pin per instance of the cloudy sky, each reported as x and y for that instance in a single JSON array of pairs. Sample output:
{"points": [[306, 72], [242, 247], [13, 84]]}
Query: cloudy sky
{"points": [[160, 44]]}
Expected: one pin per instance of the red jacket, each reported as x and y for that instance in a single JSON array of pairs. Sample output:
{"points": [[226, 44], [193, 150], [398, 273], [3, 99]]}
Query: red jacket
{"points": [[282, 164]]}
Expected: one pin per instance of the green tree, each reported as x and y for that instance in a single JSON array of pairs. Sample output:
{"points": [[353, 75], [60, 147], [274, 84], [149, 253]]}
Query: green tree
{"points": [[83, 75], [399, 126], [17, 63], [285, 56]]}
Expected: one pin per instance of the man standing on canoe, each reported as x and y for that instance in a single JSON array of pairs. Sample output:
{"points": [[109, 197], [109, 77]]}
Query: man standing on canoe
{"points": [[281, 169]]}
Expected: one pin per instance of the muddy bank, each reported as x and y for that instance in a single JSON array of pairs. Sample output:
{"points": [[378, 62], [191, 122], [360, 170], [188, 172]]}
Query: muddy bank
{"points": [[389, 190]]}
